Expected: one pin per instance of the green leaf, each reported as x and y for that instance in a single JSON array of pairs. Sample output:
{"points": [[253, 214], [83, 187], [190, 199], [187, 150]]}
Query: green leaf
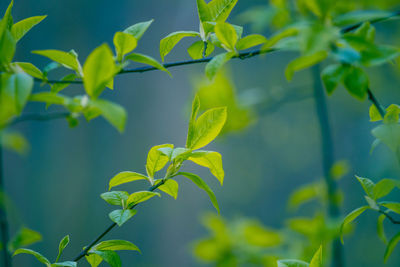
{"points": [[37, 255], [16, 89], [332, 76], [392, 114], [192, 120], [109, 256], [380, 228], [124, 43], [16, 142], [351, 217], [112, 112], [372, 203], [30, 69], [140, 196], [289, 32], [250, 41], [292, 263], [374, 114], [304, 194], [180, 154], [125, 177], [147, 60], [63, 244], [217, 62], [358, 16], [207, 127], [156, 160], [170, 187], [211, 160], [19, 29], [94, 260], [356, 82], [24, 237], [65, 264], [202, 185], [98, 70], [227, 35], [220, 9], [394, 206], [304, 62], [203, 11], [196, 50], [121, 216], [389, 134], [67, 59], [118, 198], [114, 245], [390, 247], [378, 55], [384, 187], [317, 258], [367, 185], [168, 42], [49, 98], [137, 30]]}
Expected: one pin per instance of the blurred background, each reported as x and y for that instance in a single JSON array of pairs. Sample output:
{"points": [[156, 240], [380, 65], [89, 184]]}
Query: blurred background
{"points": [[56, 187]]}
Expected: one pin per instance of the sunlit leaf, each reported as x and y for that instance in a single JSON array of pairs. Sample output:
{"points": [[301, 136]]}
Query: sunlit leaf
{"points": [[137, 30], [351, 217], [170, 187], [211, 160], [67, 59], [121, 216], [141, 196], [108, 256], [250, 41], [168, 42], [147, 60], [112, 112], [227, 35], [118, 198], [391, 245], [304, 62], [19, 29], [156, 160], [124, 43], [125, 177], [37, 255]]}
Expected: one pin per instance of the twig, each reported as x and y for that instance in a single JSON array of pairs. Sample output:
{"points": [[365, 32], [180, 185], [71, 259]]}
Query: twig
{"points": [[391, 219], [109, 228], [374, 101]]}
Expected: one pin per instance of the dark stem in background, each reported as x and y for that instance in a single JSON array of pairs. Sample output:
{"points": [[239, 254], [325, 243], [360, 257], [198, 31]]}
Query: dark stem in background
{"points": [[39, 117], [3, 215], [327, 161], [109, 228]]}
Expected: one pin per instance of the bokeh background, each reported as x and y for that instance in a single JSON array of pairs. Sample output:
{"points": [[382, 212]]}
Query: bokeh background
{"points": [[56, 187]]}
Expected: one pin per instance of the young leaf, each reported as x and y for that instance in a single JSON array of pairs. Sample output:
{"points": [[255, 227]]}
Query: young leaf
{"points": [[384, 187], [289, 32], [380, 229], [49, 98], [211, 160], [304, 194], [67, 59], [98, 70], [207, 127], [121, 216], [147, 60], [140, 196], [124, 43], [138, 29], [7, 48], [332, 76], [19, 29], [30, 69], [374, 114], [394, 206], [112, 112], [168, 42], [94, 260], [203, 11], [356, 82], [202, 185], [250, 41], [220, 9], [389, 134], [196, 50], [170, 187], [392, 114], [192, 120], [317, 258], [108, 256], [390, 247], [17, 87], [156, 160], [367, 185], [37, 255], [24, 237], [117, 198], [63, 244], [227, 35], [114, 245], [292, 263], [125, 177], [304, 62], [351, 217], [217, 62]]}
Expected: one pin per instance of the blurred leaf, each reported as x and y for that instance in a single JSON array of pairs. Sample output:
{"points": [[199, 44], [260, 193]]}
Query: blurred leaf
{"points": [[14, 94], [141, 196], [67, 59], [351, 217], [63, 244], [332, 77], [137, 30], [112, 112], [292, 263], [304, 62], [390, 247], [118, 198], [394, 206], [367, 185], [227, 35], [359, 16], [374, 114], [156, 160], [37, 255], [125, 177], [113, 245], [121, 216], [15, 141], [392, 114], [289, 32], [304, 194], [217, 63], [49, 98], [378, 55], [250, 41], [170, 187], [30, 69], [339, 169], [7, 48], [168, 42], [19, 29], [389, 134], [317, 258], [24, 237], [98, 70], [220, 9], [196, 50], [147, 60], [124, 43], [202, 185], [94, 260], [109, 256], [380, 228], [384, 187], [356, 82], [257, 235], [211, 160], [372, 203]]}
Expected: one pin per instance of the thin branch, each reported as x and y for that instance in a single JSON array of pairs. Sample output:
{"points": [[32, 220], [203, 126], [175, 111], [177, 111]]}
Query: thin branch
{"points": [[4, 228], [391, 219], [374, 101], [39, 117], [109, 228]]}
